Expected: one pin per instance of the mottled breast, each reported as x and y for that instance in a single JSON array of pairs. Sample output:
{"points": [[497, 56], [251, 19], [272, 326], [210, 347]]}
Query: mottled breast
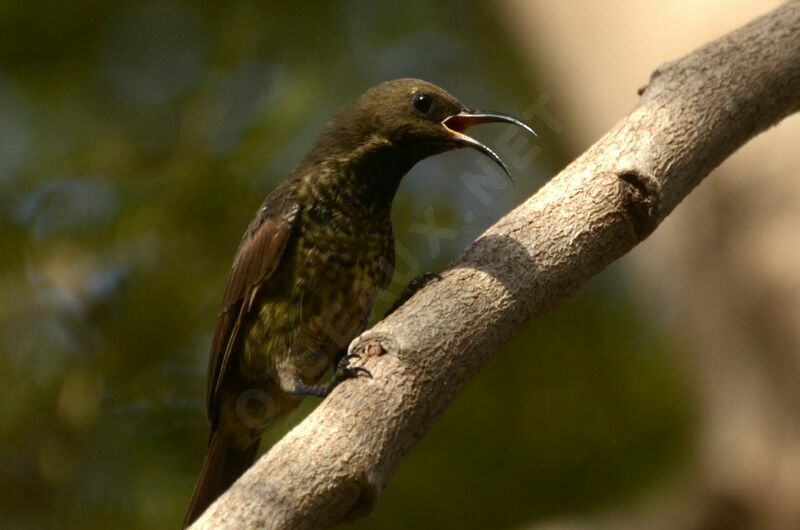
{"points": [[343, 263], [322, 293]]}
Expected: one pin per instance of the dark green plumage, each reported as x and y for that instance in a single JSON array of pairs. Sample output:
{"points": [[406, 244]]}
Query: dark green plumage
{"points": [[311, 265]]}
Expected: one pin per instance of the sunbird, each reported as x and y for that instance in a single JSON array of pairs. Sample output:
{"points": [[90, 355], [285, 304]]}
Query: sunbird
{"points": [[311, 264]]}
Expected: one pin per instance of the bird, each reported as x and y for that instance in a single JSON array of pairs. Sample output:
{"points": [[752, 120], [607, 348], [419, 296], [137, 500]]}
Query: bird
{"points": [[311, 264]]}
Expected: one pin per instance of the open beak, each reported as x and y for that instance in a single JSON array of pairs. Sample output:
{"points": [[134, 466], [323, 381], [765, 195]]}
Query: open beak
{"points": [[458, 123]]}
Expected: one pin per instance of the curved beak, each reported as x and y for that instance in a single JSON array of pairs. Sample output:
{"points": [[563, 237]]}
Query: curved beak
{"points": [[458, 123]]}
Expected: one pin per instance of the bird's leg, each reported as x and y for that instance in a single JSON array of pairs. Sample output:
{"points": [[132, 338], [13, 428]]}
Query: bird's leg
{"points": [[411, 289], [343, 372]]}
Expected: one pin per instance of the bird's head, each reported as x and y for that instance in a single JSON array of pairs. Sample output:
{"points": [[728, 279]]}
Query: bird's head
{"points": [[412, 117]]}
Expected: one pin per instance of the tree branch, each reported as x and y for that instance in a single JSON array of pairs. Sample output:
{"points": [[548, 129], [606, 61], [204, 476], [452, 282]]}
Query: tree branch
{"points": [[694, 113]]}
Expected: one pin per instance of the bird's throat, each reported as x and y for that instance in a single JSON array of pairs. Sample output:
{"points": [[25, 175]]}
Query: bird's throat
{"points": [[367, 177]]}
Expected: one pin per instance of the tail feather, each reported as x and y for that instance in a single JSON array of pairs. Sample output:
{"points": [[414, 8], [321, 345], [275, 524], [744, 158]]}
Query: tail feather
{"points": [[221, 467]]}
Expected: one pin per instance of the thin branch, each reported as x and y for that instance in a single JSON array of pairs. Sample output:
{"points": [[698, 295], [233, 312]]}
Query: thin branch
{"points": [[695, 112]]}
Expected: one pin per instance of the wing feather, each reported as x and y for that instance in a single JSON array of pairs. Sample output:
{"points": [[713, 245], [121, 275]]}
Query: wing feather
{"points": [[258, 256]]}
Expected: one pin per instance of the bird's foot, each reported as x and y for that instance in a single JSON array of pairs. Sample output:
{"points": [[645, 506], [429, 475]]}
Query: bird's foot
{"points": [[411, 289], [343, 372]]}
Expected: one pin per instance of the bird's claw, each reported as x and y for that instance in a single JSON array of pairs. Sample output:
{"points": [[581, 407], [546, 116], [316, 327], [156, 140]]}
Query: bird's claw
{"points": [[356, 371], [350, 357], [345, 371]]}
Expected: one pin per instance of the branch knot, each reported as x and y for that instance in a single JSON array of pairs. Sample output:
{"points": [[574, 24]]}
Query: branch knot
{"points": [[640, 199]]}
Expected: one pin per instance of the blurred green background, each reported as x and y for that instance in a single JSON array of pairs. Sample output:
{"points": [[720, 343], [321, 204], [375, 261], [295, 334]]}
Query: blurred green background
{"points": [[136, 141]]}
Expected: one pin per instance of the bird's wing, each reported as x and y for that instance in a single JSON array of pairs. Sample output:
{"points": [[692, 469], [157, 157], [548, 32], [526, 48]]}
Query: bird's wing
{"points": [[257, 258]]}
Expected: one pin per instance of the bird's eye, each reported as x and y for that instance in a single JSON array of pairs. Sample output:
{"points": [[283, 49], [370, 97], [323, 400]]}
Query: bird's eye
{"points": [[422, 102]]}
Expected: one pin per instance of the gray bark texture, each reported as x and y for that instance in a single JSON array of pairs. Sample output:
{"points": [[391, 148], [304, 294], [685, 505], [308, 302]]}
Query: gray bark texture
{"points": [[694, 113]]}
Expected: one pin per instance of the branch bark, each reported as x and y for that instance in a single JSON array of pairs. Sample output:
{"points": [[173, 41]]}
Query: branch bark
{"points": [[694, 113]]}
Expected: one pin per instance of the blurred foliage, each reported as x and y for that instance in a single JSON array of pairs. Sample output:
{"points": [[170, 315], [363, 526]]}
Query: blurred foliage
{"points": [[137, 139]]}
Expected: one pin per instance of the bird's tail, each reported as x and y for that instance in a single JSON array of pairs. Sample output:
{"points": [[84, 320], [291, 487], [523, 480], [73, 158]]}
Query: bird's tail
{"points": [[221, 467]]}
